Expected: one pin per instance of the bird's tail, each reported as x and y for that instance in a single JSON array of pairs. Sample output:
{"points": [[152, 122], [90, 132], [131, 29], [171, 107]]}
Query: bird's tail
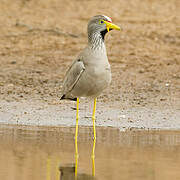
{"points": [[68, 98]]}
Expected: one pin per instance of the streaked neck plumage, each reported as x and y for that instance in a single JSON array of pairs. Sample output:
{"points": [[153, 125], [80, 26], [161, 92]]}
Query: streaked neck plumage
{"points": [[96, 42]]}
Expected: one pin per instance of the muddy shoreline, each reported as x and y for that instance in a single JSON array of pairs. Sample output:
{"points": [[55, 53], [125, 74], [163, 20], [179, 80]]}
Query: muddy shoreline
{"points": [[42, 114]]}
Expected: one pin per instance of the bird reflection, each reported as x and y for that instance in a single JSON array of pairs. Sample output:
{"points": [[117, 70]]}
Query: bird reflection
{"points": [[67, 172], [70, 172], [93, 157], [49, 169]]}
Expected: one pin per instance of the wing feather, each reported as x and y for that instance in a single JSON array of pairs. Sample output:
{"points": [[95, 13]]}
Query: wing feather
{"points": [[72, 75]]}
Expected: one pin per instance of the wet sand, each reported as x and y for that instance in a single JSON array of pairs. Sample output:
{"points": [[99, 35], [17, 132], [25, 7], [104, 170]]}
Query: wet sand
{"points": [[37, 152], [64, 114]]}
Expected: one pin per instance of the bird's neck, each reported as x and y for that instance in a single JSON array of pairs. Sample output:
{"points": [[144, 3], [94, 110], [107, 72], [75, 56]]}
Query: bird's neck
{"points": [[96, 42]]}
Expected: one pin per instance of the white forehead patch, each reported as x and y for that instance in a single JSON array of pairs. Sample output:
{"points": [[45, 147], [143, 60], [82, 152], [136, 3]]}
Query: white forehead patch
{"points": [[108, 18]]}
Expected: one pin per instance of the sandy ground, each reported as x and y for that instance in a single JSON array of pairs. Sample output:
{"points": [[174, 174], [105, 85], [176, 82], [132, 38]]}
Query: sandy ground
{"points": [[39, 39]]}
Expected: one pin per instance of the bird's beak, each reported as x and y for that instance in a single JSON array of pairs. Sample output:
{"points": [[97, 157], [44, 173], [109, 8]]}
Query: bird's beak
{"points": [[110, 25]]}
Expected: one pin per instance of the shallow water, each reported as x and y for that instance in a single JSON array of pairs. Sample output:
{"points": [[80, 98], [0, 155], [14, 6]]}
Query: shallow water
{"points": [[28, 153]]}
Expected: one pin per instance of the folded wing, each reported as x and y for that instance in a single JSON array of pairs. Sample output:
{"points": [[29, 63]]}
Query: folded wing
{"points": [[72, 76]]}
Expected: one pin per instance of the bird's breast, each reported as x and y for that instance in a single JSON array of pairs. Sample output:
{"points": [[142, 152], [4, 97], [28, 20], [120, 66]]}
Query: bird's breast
{"points": [[99, 77]]}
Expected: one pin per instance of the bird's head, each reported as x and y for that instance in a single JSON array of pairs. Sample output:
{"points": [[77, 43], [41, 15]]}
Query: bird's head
{"points": [[101, 24]]}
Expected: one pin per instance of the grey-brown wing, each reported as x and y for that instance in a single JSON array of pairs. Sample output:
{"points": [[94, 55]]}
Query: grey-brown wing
{"points": [[72, 75]]}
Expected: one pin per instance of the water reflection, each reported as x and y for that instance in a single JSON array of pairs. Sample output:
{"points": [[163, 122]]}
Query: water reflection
{"points": [[68, 173], [41, 153], [93, 161], [49, 167]]}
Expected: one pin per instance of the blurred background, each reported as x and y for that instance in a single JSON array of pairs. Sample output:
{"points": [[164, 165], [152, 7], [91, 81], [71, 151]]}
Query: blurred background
{"points": [[39, 39]]}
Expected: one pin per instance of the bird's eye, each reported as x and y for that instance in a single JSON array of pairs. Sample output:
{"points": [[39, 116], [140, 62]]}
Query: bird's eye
{"points": [[101, 22]]}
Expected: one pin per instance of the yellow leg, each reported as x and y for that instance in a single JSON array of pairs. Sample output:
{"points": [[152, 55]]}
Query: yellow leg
{"points": [[48, 168], [57, 169], [76, 136], [94, 118], [94, 142], [93, 158]]}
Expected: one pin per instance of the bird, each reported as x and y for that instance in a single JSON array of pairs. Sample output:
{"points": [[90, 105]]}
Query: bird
{"points": [[90, 73]]}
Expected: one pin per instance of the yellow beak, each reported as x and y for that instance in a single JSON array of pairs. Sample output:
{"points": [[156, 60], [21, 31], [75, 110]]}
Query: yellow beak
{"points": [[110, 25]]}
